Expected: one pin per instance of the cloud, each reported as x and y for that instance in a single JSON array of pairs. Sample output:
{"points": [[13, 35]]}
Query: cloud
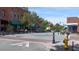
{"points": [[54, 20]]}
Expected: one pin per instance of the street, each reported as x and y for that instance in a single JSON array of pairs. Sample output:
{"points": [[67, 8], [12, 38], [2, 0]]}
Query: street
{"points": [[34, 42]]}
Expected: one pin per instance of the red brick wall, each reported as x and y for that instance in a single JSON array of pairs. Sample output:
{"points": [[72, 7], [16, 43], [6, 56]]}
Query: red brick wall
{"points": [[9, 10], [73, 20], [8, 14]]}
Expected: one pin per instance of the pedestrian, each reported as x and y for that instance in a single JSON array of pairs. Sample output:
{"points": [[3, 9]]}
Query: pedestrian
{"points": [[68, 35]]}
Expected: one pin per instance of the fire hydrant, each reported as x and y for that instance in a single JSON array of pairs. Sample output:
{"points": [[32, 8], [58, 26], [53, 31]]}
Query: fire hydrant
{"points": [[65, 41]]}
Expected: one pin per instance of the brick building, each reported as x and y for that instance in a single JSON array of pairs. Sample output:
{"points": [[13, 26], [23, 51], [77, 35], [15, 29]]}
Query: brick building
{"points": [[73, 24], [10, 17]]}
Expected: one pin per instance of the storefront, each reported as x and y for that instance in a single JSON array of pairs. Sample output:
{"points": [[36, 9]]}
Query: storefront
{"points": [[3, 25], [72, 27], [16, 25]]}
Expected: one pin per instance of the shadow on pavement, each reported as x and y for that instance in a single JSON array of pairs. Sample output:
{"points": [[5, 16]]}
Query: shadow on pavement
{"points": [[57, 42], [60, 48]]}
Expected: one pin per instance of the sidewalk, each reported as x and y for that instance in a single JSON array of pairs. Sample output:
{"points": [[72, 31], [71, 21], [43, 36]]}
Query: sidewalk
{"points": [[74, 35], [59, 46]]}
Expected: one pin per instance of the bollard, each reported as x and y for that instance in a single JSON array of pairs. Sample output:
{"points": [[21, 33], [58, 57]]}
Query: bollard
{"points": [[53, 41], [72, 46]]}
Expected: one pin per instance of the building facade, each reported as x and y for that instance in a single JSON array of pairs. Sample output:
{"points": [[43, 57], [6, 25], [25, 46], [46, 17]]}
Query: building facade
{"points": [[10, 17], [73, 24]]}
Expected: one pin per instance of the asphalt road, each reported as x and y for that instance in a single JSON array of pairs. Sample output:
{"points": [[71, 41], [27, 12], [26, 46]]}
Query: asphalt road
{"points": [[7, 41], [18, 42], [36, 36], [8, 45]]}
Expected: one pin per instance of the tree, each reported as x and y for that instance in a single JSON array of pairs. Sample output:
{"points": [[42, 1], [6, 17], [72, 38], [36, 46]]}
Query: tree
{"points": [[34, 17], [26, 19], [58, 27], [31, 18], [44, 24]]}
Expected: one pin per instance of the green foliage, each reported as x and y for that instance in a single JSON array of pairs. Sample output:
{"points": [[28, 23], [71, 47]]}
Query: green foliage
{"points": [[57, 27], [30, 18], [44, 24]]}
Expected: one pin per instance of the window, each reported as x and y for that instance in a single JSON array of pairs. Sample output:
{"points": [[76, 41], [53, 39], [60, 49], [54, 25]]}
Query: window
{"points": [[14, 16], [1, 13]]}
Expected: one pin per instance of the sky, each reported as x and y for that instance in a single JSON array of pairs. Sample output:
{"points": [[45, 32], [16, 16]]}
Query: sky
{"points": [[56, 14]]}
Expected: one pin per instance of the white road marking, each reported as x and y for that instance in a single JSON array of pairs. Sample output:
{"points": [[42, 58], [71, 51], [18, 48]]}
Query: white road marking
{"points": [[54, 48], [20, 45], [25, 44]]}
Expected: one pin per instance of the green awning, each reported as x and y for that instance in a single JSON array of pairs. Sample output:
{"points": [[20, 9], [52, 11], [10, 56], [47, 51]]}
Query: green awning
{"points": [[15, 22], [18, 23]]}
